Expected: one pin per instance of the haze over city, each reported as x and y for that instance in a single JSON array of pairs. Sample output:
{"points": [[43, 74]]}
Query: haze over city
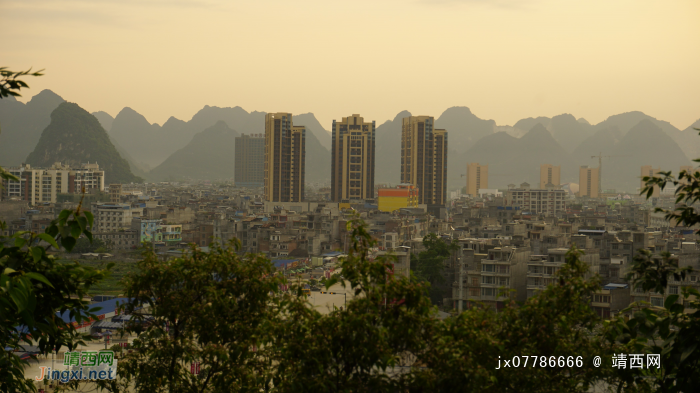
{"points": [[379, 196], [506, 60]]}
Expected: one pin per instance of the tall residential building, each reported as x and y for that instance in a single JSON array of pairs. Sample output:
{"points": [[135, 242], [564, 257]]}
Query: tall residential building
{"points": [[648, 170], [549, 174], [38, 185], [352, 165], [250, 160], [477, 178], [424, 159], [285, 158], [588, 182]]}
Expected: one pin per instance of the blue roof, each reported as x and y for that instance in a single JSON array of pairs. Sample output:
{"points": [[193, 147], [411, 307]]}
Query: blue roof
{"points": [[280, 262], [107, 307]]}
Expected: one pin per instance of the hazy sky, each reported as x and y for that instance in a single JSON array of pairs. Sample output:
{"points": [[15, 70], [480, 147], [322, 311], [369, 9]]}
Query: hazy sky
{"points": [[504, 59]]}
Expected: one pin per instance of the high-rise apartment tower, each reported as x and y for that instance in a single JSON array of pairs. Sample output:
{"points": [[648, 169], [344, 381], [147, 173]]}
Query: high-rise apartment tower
{"points": [[549, 174], [285, 158], [477, 178], [250, 160], [424, 159], [352, 165], [588, 182]]}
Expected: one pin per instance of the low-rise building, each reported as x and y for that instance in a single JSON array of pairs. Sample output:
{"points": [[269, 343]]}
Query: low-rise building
{"points": [[391, 199]]}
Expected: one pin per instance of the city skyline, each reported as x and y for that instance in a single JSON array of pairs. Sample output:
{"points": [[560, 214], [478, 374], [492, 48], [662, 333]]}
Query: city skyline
{"points": [[519, 57]]}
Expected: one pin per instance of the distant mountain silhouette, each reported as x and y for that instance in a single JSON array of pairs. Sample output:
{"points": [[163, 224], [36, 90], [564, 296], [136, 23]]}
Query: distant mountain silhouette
{"points": [[689, 140], [602, 142], [463, 127], [105, 119], [312, 125], [208, 156], [565, 129], [387, 164], [644, 144], [156, 143], [21, 125], [74, 137], [517, 160]]}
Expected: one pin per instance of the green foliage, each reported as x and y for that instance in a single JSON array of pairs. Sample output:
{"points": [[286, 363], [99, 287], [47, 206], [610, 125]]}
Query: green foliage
{"points": [[430, 263], [687, 194], [671, 331], [215, 308], [464, 354], [369, 345], [10, 85], [34, 287], [84, 245]]}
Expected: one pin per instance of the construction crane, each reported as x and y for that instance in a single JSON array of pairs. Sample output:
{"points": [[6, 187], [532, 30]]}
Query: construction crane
{"points": [[600, 157]]}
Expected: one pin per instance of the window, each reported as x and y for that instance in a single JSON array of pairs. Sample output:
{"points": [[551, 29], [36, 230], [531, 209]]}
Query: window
{"points": [[488, 291], [488, 280], [673, 289], [473, 291], [657, 301], [488, 268]]}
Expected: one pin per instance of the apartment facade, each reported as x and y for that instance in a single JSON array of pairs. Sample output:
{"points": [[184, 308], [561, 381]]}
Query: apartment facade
{"points": [[477, 178], [547, 201], [424, 159], [42, 185], [550, 174], [250, 160], [285, 159], [111, 217], [588, 182], [353, 157]]}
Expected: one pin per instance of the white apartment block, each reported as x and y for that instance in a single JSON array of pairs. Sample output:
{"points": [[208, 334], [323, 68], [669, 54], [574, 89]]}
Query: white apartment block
{"points": [[548, 202], [110, 217], [37, 185]]}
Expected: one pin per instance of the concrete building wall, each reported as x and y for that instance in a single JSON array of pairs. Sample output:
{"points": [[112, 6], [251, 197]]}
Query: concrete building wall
{"points": [[550, 174], [477, 178]]}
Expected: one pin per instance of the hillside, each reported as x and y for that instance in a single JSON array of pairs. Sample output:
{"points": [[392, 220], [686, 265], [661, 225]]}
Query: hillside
{"points": [[464, 127], [208, 156], [312, 125], [157, 143], [644, 144], [105, 119], [74, 137], [517, 160], [21, 125]]}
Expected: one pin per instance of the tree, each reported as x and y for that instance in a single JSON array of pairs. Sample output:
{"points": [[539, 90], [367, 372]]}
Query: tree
{"points": [[430, 263], [215, 308], [84, 245], [672, 330], [367, 346], [34, 287], [557, 324]]}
